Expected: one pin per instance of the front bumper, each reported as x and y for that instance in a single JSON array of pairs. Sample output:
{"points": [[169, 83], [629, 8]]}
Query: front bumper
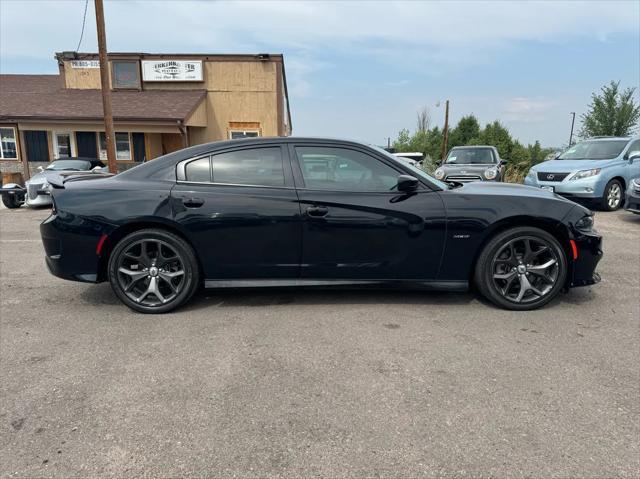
{"points": [[632, 200], [587, 188], [589, 249]]}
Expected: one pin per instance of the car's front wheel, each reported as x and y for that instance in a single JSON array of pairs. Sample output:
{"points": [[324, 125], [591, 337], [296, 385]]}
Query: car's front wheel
{"points": [[11, 201], [522, 268], [613, 196], [153, 271]]}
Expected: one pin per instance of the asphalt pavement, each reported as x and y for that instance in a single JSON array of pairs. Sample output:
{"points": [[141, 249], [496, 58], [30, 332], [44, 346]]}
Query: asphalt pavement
{"points": [[332, 384]]}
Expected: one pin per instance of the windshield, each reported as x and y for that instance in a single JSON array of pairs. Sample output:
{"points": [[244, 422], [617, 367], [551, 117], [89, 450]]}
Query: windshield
{"points": [[594, 150], [414, 169], [470, 156], [78, 165]]}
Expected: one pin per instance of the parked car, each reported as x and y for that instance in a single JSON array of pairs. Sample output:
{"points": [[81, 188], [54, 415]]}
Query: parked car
{"points": [[415, 158], [471, 163], [308, 211], [36, 189], [597, 171], [633, 196]]}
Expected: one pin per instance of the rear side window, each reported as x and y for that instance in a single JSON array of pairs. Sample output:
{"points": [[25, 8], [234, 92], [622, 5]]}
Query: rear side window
{"points": [[199, 171], [257, 166]]}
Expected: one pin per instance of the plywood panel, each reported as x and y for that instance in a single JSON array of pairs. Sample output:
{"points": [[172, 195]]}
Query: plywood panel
{"points": [[81, 78]]}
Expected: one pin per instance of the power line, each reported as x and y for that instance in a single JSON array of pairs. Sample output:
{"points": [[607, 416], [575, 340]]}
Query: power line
{"points": [[84, 19]]}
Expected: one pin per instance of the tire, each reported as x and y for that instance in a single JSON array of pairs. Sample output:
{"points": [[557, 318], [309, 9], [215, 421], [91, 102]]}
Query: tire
{"points": [[153, 271], [505, 267], [11, 201], [613, 196]]}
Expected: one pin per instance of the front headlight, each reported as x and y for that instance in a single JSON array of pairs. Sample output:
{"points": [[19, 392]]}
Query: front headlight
{"points": [[490, 174], [585, 223], [439, 174], [585, 174]]}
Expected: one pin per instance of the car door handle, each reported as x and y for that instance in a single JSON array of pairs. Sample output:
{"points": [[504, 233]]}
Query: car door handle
{"points": [[192, 202], [317, 211]]}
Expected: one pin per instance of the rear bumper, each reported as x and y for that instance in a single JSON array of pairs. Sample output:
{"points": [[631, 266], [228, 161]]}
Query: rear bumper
{"points": [[589, 255], [69, 255]]}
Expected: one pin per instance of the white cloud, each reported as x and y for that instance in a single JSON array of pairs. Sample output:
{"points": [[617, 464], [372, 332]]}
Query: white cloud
{"points": [[526, 109]]}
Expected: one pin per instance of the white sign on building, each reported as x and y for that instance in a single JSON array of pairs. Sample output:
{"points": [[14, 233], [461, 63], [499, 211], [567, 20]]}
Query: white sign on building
{"points": [[171, 70], [85, 64]]}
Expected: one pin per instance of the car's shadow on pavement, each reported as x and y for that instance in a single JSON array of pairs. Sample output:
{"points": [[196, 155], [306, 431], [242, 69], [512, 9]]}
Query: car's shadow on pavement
{"points": [[101, 294], [631, 218]]}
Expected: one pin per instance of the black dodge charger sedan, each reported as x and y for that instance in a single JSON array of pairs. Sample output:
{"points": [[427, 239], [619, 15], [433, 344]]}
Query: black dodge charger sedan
{"points": [[312, 212]]}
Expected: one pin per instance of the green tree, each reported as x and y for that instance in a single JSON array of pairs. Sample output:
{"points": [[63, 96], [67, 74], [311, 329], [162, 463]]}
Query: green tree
{"points": [[401, 144], [611, 113], [495, 134], [467, 129]]}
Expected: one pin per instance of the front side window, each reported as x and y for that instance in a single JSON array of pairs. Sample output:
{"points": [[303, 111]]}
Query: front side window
{"points": [[634, 149], [594, 150], [8, 148], [341, 169], [63, 147], [123, 147], [470, 156], [126, 74]]}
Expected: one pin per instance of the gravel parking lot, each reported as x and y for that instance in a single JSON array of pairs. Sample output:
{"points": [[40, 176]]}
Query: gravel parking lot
{"points": [[285, 383]]}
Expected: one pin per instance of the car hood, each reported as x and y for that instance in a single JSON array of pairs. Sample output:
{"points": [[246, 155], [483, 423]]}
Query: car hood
{"points": [[505, 189], [566, 166], [45, 175]]}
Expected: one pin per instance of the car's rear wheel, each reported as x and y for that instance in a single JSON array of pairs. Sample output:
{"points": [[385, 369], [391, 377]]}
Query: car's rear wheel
{"points": [[153, 271], [522, 268], [613, 196]]}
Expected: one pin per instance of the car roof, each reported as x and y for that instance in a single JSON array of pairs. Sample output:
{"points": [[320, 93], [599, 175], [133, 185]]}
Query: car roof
{"points": [[612, 138], [472, 146]]}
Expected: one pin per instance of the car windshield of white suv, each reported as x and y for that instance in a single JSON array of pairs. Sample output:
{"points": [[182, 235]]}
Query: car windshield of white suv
{"points": [[470, 156], [594, 150], [69, 165]]}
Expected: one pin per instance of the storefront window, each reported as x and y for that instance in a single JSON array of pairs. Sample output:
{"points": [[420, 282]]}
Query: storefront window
{"points": [[126, 74], [8, 148], [62, 143], [123, 147]]}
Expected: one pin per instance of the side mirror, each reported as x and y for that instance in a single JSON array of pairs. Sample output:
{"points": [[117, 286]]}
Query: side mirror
{"points": [[40, 168], [634, 157], [407, 183], [503, 162]]}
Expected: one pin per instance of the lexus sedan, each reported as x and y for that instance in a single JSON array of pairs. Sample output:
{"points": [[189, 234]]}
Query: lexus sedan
{"points": [[471, 163], [598, 171], [312, 212]]}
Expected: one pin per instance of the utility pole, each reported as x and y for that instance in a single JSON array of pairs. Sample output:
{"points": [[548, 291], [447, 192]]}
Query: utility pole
{"points": [[445, 137], [572, 122], [106, 89]]}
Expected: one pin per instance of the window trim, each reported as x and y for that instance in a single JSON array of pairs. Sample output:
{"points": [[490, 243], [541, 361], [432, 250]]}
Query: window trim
{"points": [[15, 141], [299, 176], [114, 87], [289, 184], [72, 143]]}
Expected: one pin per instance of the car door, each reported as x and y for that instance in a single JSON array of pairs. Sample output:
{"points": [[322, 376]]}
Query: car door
{"points": [[240, 208], [355, 225]]}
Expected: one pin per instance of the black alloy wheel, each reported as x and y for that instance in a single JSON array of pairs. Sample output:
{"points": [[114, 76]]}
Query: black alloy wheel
{"points": [[153, 271], [521, 269], [613, 196]]}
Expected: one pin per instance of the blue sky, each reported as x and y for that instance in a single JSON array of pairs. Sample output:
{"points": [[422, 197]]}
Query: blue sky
{"points": [[362, 69]]}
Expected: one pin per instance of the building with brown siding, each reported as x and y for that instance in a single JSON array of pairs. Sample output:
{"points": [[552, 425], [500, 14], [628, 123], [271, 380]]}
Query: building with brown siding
{"points": [[161, 103]]}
